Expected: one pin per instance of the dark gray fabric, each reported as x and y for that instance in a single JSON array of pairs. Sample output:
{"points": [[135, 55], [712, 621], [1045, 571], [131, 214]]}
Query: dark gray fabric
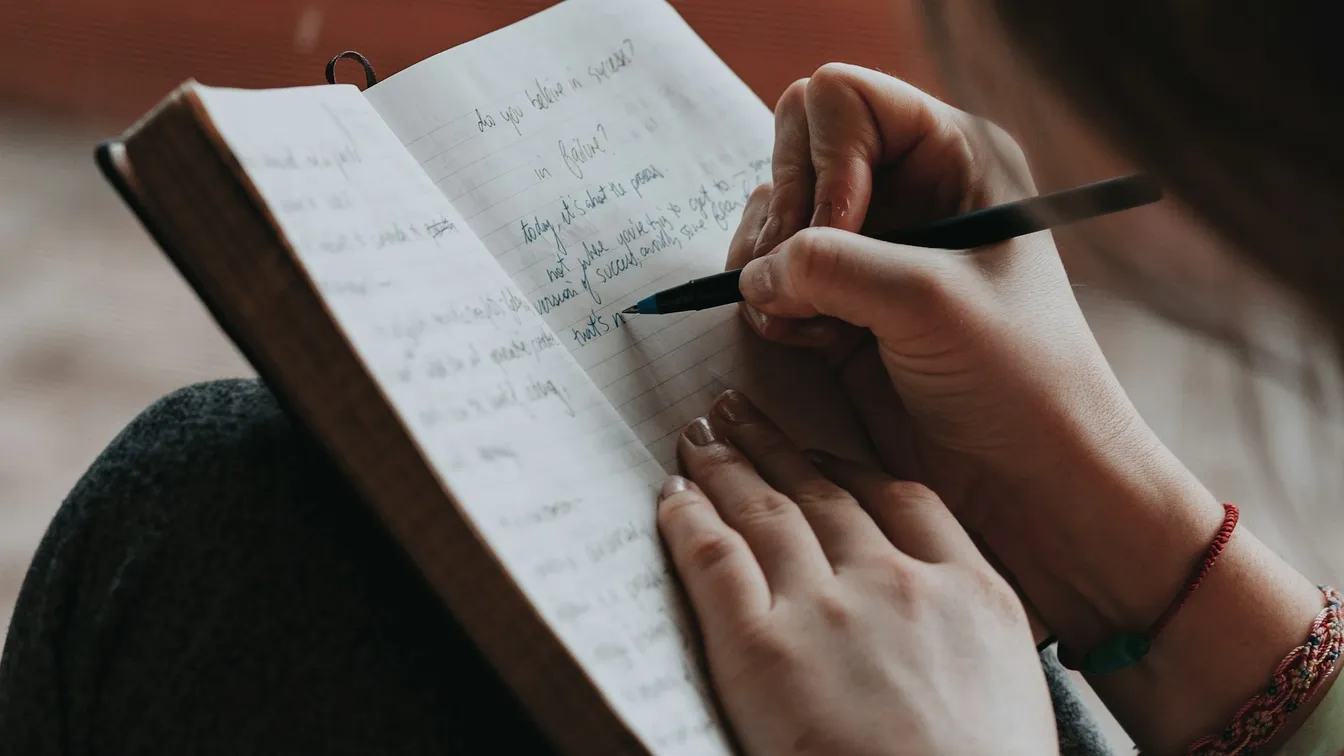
{"points": [[212, 586], [1079, 734]]}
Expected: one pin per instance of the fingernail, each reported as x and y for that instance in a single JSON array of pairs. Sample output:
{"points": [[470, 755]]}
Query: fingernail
{"points": [[769, 231], [735, 407], [700, 432], [758, 280], [673, 486], [822, 215]]}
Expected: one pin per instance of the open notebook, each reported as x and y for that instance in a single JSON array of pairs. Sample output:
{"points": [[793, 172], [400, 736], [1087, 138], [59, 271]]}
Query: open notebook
{"points": [[429, 274]]}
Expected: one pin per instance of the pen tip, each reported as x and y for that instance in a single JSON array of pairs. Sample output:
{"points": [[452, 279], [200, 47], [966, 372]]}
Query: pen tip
{"points": [[634, 310]]}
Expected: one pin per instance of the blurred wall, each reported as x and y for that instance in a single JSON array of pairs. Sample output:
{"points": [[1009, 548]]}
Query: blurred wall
{"points": [[114, 59]]}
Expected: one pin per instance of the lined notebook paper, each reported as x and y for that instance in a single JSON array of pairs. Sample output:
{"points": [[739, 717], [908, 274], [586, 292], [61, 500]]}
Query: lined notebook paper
{"points": [[474, 225], [545, 469], [601, 151]]}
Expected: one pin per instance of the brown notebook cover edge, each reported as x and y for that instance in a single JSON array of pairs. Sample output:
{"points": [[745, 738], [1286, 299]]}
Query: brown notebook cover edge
{"points": [[110, 157]]}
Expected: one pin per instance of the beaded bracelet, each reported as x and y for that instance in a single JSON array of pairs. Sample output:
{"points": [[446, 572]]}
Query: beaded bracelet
{"points": [[1296, 680], [1126, 649]]}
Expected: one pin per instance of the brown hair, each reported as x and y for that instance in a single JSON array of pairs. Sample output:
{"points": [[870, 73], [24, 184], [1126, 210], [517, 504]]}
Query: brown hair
{"points": [[1236, 107]]}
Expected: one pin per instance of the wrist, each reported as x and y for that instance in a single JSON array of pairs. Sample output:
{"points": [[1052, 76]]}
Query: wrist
{"points": [[1104, 547], [1101, 545], [1220, 650]]}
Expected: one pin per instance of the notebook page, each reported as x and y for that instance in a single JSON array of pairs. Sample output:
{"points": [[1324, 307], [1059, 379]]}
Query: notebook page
{"points": [[601, 151], [542, 465]]}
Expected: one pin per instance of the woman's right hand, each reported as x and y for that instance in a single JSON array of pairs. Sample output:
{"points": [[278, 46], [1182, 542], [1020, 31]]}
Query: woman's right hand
{"points": [[975, 373]]}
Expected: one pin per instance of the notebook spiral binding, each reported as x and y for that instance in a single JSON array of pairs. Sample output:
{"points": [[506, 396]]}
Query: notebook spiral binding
{"points": [[370, 78]]}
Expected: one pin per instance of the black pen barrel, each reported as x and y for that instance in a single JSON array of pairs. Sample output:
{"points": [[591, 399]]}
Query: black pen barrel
{"points": [[701, 293]]}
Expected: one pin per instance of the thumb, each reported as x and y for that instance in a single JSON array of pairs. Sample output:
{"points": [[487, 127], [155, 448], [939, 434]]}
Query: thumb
{"points": [[862, 281]]}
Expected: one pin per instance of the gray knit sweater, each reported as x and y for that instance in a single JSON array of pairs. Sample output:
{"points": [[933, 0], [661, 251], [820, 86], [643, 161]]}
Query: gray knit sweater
{"points": [[212, 586]]}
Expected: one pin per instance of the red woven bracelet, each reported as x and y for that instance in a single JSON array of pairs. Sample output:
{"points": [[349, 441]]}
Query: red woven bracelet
{"points": [[1128, 648], [1230, 517], [1297, 679]]}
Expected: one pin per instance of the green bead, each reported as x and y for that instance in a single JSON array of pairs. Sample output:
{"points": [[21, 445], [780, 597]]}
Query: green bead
{"points": [[1116, 654]]}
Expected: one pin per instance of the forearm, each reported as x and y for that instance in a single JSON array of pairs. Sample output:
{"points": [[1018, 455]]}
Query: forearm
{"points": [[1219, 651], [1108, 557]]}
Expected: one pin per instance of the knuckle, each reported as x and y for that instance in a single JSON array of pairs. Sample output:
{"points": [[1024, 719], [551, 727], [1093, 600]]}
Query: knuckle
{"points": [[907, 499], [815, 258], [1005, 147], [788, 175], [963, 128], [835, 612], [792, 97], [821, 495], [987, 152], [953, 134], [836, 102], [764, 648], [910, 494], [995, 594], [760, 194], [929, 287], [706, 551], [828, 76], [762, 506], [792, 165], [908, 582]]}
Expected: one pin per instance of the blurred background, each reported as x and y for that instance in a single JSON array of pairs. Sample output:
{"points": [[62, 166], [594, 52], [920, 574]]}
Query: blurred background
{"points": [[95, 324]]}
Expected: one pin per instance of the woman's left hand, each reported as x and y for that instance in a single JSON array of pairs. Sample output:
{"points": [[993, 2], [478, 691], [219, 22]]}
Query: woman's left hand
{"points": [[844, 612]]}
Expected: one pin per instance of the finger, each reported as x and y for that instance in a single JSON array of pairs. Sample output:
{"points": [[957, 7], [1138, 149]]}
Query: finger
{"points": [[805, 333], [810, 333], [787, 206], [722, 578], [791, 170], [749, 229], [1039, 630], [857, 119], [862, 281], [770, 523], [913, 518], [879, 407], [845, 531]]}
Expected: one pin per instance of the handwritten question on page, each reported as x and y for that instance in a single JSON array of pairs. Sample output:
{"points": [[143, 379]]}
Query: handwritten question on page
{"points": [[611, 160], [546, 470]]}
